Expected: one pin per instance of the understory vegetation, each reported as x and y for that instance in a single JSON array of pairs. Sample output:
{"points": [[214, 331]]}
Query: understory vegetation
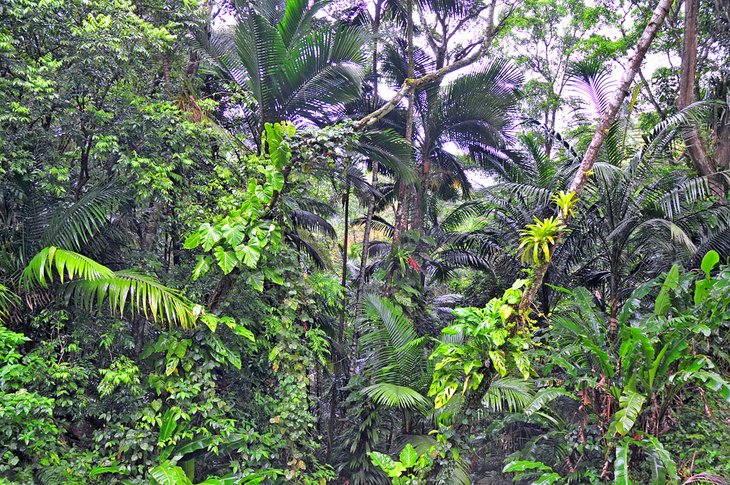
{"points": [[364, 242]]}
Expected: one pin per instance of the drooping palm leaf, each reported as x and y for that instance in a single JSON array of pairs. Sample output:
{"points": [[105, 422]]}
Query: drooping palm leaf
{"points": [[89, 284], [393, 395]]}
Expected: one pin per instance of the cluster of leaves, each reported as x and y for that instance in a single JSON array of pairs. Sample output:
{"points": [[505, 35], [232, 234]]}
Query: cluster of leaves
{"points": [[480, 338], [238, 239]]}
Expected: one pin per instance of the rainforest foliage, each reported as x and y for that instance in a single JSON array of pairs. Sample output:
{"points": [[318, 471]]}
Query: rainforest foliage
{"points": [[364, 242]]}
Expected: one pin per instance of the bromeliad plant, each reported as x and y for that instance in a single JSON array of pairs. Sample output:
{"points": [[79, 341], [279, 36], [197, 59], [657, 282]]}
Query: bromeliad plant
{"points": [[537, 239], [565, 201]]}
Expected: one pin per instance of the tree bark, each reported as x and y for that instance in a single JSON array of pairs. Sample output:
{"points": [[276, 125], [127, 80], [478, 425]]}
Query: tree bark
{"points": [[688, 72], [343, 282], [410, 84], [655, 23]]}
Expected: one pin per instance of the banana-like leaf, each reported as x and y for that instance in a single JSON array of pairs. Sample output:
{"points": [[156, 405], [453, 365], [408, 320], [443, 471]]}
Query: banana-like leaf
{"points": [[168, 474], [630, 403], [663, 467], [621, 465]]}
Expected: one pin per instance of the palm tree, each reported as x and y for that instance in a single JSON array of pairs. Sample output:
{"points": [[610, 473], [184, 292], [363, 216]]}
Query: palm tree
{"points": [[471, 115], [290, 67], [628, 207]]}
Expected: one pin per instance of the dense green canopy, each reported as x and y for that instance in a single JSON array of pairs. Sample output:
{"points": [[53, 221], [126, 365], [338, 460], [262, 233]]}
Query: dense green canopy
{"points": [[364, 242]]}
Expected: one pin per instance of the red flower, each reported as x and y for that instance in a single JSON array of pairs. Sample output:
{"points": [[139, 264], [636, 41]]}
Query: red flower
{"points": [[413, 263], [636, 436]]}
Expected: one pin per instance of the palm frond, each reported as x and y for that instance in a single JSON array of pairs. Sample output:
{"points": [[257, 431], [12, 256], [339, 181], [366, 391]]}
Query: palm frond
{"points": [[8, 300], [396, 396], [76, 225], [510, 393], [90, 283], [392, 357], [461, 214], [65, 264], [312, 222], [591, 78], [378, 224], [390, 150], [306, 248], [139, 293]]}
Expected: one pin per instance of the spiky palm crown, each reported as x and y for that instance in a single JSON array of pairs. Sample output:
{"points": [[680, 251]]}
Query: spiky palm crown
{"points": [[293, 69]]}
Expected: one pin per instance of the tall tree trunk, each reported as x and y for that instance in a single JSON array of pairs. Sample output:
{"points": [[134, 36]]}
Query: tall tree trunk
{"points": [[371, 200], [343, 281], [688, 72], [401, 214], [591, 155], [341, 328]]}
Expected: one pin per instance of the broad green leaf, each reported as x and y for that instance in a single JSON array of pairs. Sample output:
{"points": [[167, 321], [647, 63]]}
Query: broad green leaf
{"points": [[709, 261], [279, 150], [168, 424], [192, 446], [241, 331], [522, 361], [227, 259], [630, 404], [274, 275], [193, 240], [233, 234], [702, 290], [663, 301], [235, 359], [171, 366], [524, 465], [548, 479], [391, 467], [117, 470], [621, 464], [248, 254], [201, 266], [209, 235], [211, 321], [233, 481], [497, 357], [663, 467], [256, 279], [408, 456], [168, 474], [251, 480]]}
